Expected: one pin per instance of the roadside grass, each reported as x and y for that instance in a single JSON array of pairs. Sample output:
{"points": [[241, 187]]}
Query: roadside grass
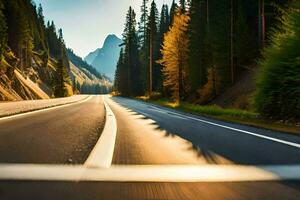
{"points": [[230, 115]]}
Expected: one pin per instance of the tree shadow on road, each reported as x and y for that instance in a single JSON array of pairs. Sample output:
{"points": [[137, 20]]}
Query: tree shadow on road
{"points": [[202, 151]]}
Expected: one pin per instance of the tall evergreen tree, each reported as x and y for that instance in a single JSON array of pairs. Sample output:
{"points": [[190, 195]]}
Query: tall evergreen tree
{"points": [[173, 11], [142, 32], [144, 43], [197, 34], [41, 28], [63, 77], [132, 78], [60, 89], [152, 28], [164, 21], [182, 6], [25, 39], [119, 74]]}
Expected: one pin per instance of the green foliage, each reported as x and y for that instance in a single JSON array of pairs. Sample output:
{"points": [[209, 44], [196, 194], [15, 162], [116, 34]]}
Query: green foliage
{"points": [[173, 11], [278, 86], [130, 72], [212, 110], [62, 78], [142, 32], [23, 32], [197, 34], [222, 42], [119, 75], [153, 38]]}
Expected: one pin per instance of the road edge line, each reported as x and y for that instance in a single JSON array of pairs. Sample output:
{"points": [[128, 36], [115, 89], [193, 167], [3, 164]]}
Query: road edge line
{"points": [[45, 109], [195, 118], [102, 154]]}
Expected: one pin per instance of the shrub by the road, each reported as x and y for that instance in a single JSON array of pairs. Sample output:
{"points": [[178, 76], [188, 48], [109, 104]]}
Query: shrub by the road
{"points": [[278, 85]]}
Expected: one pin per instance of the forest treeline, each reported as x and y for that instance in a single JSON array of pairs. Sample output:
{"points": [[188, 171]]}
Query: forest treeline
{"points": [[196, 49], [36, 48], [96, 83], [25, 36]]}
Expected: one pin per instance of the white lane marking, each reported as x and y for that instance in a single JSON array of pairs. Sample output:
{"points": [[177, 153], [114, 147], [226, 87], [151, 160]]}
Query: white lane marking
{"points": [[102, 154], [238, 130], [150, 173], [172, 115], [46, 109]]}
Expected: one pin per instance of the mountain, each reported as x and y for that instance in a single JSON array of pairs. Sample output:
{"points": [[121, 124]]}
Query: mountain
{"points": [[105, 59], [86, 79]]}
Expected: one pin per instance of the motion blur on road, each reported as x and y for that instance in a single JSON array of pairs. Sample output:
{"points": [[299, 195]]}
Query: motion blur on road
{"points": [[147, 135]]}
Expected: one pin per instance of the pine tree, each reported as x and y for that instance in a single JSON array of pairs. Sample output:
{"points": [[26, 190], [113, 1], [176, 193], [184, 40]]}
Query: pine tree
{"points": [[25, 45], [182, 6], [144, 44], [60, 89], [41, 28], [197, 27], [63, 77], [142, 32], [119, 74], [173, 11], [132, 77], [175, 57], [152, 29], [219, 42], [164, 21]]}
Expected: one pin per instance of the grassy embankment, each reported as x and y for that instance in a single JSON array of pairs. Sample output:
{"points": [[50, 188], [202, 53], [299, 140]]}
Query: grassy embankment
{"points": [[229, 115]]}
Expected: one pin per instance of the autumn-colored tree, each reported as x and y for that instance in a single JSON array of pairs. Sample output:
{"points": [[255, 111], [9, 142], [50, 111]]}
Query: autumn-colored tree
{"points": [[175, 57]]}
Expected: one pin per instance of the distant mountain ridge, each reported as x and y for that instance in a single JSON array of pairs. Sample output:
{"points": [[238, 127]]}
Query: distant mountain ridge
{"points": [[86, 79], [105, 59]]}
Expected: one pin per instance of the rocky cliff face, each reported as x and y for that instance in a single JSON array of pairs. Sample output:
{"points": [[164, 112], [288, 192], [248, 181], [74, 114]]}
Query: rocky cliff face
{"points": [[34, 83], [105, 59]]}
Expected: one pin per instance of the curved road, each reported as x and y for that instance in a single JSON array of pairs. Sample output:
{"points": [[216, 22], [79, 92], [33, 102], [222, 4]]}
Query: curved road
{"points": [[150, 134], [146, 135]]}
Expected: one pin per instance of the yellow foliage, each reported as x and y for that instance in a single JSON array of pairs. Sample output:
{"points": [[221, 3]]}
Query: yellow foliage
{"points": [[206, 93], [175, 56]]}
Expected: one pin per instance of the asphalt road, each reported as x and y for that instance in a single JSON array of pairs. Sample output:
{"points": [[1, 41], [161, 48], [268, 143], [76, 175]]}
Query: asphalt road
{"points": [[145, 132], [146, 135], [59, 136]]}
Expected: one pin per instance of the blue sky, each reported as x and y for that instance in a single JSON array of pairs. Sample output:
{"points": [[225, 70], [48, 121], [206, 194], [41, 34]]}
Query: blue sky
{"points": [[86, 23]]}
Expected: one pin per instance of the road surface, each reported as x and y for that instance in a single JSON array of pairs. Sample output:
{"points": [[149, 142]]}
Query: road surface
{"points": [[143, 129], [63, 135], [147, 135]]}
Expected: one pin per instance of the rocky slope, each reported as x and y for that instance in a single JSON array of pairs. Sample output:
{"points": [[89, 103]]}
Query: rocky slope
{"points": [[85, 78]]}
